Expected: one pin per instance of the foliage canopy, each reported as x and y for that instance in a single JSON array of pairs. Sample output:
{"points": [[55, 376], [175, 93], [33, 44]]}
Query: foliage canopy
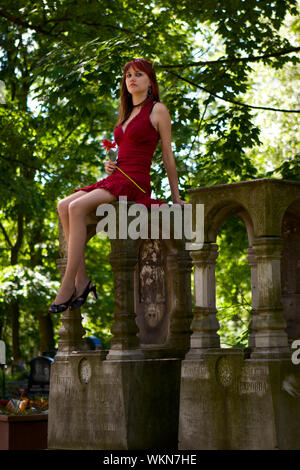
{"points": [[61, 63]]}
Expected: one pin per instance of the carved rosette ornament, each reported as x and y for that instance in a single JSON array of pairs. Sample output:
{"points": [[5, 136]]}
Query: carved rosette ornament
{"points": [[84, 371], [224, 372]]}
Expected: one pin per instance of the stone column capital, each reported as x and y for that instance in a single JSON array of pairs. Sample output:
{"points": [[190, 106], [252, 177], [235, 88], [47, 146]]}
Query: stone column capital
{"points": [[251, 257], [207, 255], [267, 247]]}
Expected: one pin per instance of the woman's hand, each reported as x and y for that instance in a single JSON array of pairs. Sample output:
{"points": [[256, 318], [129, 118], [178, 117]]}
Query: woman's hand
{"points": [[109, 166], [179, 201]]}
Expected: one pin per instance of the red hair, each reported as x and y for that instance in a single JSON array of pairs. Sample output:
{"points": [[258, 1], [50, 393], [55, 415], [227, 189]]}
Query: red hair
{"points": [[126, 105]]}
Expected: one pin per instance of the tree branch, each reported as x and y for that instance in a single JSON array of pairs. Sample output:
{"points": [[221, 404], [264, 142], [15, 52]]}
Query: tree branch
{"points": [[40, 29], [19, 240], [237, 103], [228, 60], [111, 26], [24, 24], [26, 165], [6, 235]]}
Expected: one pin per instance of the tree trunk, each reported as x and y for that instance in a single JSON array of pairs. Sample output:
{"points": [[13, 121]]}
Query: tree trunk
{"points": [[15, 332], [46, 332]]}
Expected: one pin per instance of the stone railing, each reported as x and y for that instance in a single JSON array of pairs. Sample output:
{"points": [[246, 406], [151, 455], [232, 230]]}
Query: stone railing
{"points": [[152, 293]]}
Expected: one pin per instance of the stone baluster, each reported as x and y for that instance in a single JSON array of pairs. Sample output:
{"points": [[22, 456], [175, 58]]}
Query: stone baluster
{"points": [[71, 330], [179, 275], [268, 322], [205, 324], [125, 343]]}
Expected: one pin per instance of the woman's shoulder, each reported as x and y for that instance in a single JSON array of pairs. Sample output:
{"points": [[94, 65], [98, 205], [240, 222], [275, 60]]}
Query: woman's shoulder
{"points": [[159, 108]]}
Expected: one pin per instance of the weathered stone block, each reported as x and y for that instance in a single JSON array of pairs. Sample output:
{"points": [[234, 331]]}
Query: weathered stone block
{"points": [[229, 402], [100, 404]]}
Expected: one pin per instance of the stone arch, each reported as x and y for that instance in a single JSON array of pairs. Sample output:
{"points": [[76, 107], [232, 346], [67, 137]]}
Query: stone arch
{"points": [[217, 213], [221, 212], [262, 205]]}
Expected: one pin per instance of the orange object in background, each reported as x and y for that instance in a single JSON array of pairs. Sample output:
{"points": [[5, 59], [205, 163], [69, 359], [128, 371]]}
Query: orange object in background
{"points": [[16, 406], [23, 404]]}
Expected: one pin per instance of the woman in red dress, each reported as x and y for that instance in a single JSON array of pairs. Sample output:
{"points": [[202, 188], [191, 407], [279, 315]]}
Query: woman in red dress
{"points": [[142, 121]]}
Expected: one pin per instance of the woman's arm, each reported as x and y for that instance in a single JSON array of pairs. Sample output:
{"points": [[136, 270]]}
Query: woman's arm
{"points": [[161, 119]]}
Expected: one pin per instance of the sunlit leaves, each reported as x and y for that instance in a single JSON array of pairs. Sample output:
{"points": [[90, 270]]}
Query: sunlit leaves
{"points": [[62, 62], [233, 284]]}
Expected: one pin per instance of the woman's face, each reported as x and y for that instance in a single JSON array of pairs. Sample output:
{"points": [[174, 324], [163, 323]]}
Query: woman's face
{"points": [[137, 81]]}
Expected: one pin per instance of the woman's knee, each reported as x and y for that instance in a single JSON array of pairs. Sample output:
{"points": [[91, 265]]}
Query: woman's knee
{"points": [[63, 207], [76, 208]]}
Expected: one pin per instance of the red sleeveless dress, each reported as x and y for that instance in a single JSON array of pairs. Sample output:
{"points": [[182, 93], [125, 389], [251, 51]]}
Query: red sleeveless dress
{"points": [[136, 147]]}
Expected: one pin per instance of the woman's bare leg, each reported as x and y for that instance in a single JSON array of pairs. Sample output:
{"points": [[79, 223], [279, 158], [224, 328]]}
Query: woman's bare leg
{"points": [[81, 278], [78, 210]]}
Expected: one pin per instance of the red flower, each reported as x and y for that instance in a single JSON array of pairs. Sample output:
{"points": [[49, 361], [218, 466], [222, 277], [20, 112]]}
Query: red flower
{"points": [[108, 145]]}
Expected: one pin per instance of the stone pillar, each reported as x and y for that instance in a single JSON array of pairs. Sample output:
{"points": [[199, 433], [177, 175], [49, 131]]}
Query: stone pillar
{"points": [[179, 273], [71, 330], [268, 323], [125, 343], [253, 265], [205, 324]]}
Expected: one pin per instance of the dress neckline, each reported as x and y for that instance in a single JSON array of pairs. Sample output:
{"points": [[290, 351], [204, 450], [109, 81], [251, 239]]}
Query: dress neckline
{"points": [[131, 120], [143, 107]]}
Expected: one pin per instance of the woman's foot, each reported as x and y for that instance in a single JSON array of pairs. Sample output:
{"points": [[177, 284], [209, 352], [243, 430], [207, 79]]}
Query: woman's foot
{"points": [[65, 291], [80, 299], [63, 299], [80, 284]]}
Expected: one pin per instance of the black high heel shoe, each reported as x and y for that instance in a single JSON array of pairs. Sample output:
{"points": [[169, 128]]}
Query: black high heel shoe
{"points": [[58, 308], [80, 300]]}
